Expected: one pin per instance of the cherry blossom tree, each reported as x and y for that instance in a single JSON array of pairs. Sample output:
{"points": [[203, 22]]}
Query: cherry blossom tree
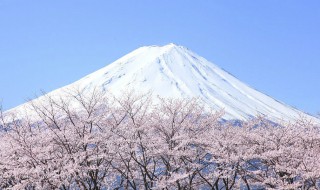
{"points": [[97, 141]]}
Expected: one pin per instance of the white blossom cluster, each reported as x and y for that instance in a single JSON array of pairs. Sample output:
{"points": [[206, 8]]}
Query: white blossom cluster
{"points": [[134, 143]]}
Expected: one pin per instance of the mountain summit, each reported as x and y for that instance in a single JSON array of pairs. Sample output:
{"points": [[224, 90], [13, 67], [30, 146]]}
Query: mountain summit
{"points": [[175, 71]]}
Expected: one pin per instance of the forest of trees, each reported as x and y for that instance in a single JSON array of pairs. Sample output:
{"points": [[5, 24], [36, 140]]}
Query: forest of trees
{"points": [[98, 141]]}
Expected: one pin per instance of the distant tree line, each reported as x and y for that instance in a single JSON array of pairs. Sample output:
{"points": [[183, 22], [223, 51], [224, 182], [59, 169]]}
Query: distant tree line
{"points": [[98, 141]]}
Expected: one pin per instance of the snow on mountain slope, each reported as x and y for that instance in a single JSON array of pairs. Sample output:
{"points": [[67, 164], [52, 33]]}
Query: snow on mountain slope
{"points": [[175, 71]]}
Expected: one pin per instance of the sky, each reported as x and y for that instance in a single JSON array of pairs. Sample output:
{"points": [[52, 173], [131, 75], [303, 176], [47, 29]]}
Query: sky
{"points": [[273, 46]]}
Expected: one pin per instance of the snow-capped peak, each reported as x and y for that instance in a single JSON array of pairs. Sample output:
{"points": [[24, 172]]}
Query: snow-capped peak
{"points": [[175, 71]]}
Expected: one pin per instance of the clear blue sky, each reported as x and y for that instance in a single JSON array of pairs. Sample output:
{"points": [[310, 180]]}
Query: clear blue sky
{"points": [[274, 46]]}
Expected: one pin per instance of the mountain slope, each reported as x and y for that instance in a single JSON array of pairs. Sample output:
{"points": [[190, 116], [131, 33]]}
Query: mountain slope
{"points": [[175, 71]]}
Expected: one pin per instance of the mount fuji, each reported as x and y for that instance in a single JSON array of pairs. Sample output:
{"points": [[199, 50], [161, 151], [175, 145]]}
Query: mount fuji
{"points": [[175, 71]]}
